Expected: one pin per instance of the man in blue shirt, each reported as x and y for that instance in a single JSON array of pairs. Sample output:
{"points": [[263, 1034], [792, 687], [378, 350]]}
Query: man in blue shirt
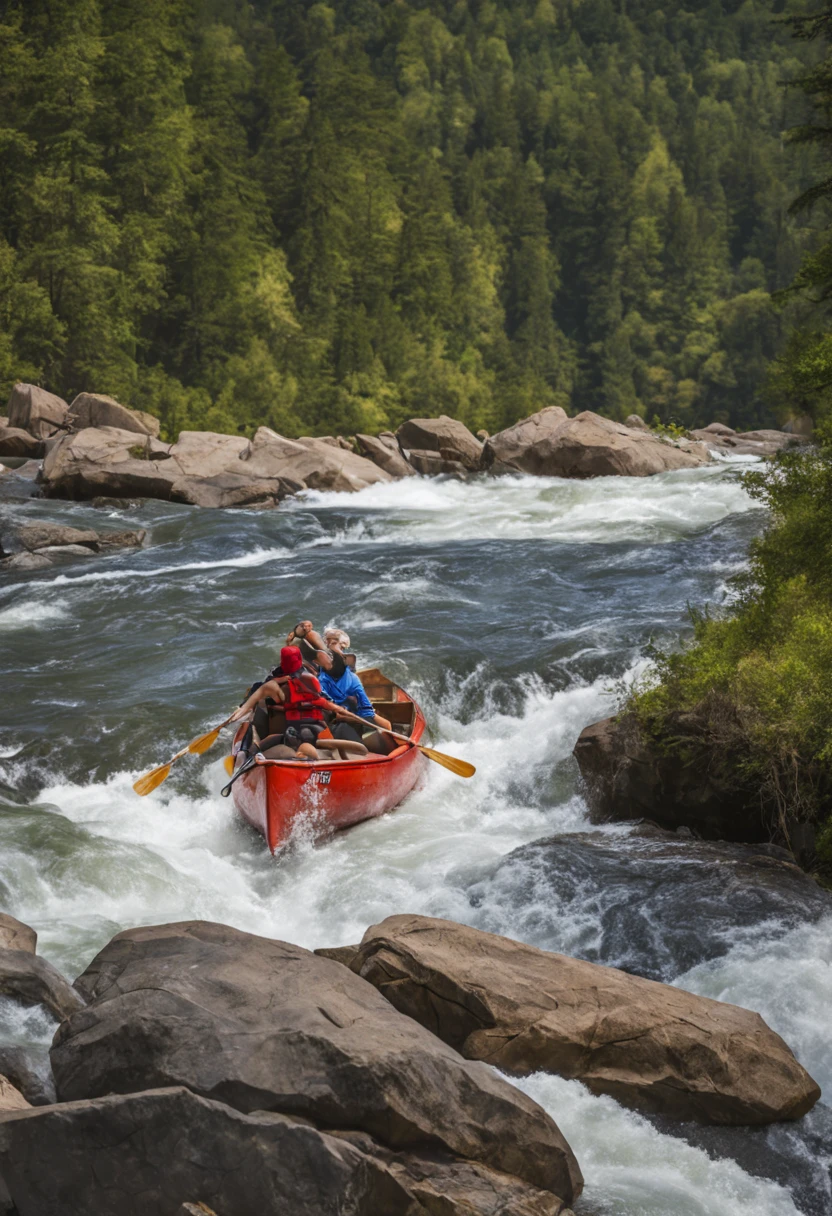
{"points": [[347, 690]]}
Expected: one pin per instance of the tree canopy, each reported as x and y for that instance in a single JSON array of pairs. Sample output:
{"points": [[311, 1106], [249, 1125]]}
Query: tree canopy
{"points": [[334, 216]]}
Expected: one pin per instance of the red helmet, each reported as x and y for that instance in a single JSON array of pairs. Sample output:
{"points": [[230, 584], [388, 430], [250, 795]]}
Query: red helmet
{"points": [[291, 660]]}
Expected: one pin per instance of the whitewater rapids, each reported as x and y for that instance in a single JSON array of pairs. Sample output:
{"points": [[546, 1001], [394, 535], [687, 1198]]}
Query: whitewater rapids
{"points": [[511, 608]]}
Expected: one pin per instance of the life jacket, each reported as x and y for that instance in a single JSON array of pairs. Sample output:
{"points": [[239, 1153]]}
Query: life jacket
{"points": [[303, 699]]}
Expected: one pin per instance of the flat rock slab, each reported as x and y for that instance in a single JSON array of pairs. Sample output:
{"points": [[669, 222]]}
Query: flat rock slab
{"points": [[651, 1046], [14, 935], [263, 1025], [32, 981]]}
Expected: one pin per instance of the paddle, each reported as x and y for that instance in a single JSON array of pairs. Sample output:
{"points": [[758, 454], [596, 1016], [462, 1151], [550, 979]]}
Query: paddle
{"points": [[244, 768], [461, 767], [150, 781]]}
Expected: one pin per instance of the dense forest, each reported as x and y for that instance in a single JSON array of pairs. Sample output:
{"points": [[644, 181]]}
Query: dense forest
{"points": [[334, 216]]}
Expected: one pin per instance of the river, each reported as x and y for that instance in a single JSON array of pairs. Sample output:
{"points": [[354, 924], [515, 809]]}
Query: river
{"points": [[513, 609]]}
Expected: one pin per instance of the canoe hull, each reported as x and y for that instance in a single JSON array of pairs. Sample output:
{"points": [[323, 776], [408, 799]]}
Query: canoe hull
{"points": [[288, 797]]}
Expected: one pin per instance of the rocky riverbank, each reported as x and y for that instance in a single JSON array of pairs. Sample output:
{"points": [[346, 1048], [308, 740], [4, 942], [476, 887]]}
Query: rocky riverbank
{"points": [[96, 446], [196, 1064]]}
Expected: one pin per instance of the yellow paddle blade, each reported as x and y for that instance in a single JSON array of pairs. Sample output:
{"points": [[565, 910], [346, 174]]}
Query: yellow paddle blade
{"points": [[150, 780], [228, 764], [202, 744], [461, 767]]}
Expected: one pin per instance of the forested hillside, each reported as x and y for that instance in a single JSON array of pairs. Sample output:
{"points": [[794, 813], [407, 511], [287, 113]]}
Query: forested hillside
{"points": [[335, 216]]}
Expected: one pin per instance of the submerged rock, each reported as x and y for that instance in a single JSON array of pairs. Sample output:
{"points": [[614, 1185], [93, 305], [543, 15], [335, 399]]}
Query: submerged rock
{"points": [[553, 445], [649, 901], [37, 545], [263, 1025], [651, 1046]]}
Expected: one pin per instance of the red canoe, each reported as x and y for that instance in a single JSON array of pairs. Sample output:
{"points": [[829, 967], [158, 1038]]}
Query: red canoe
{"points": [[327, 795]]}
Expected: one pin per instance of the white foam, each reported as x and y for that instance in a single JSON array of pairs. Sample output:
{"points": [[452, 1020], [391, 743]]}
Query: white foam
{"points": [[789, 981], [633, 1170], [599, 510], [31, 614]]}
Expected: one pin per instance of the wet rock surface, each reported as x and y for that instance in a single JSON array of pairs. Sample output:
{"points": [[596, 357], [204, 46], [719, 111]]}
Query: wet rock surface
{"points": [[651, 1046], [33, 546], [260, 1024], [648, 900], [33, 981]]}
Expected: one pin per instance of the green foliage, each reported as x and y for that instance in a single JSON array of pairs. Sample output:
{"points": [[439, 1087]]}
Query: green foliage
{"points": [[330, 216]]}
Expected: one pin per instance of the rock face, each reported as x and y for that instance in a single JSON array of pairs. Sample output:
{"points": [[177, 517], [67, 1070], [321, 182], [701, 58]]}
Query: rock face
{"points": [[651, 1046], [747, 443], [18, 1068], [33, 981], [167, 1151], [34, 410], [201, 468], [447, 437], [263, 1025], [386, 455], [626, 777], [552, 445], [431, 464], [14, 935], [661, 903], [94, 409], [16, 442]]}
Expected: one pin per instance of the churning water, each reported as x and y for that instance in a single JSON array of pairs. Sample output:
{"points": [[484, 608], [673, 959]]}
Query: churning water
{"points": [[512, 609]]}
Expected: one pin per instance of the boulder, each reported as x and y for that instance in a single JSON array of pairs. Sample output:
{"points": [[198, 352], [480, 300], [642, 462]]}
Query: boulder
{"points": [[11, 1098], [552, 445], [385, 456], [14, 935], [761, 443], [263, 1025], [446, 436], [627, 776], [341, 469], [636, 423], [16, 442], [34, 410], [96, 410], [660, 902], [167, 1151], [35, 1085], [432, 464], [32, 981], [34, 546], [651, 1046]]}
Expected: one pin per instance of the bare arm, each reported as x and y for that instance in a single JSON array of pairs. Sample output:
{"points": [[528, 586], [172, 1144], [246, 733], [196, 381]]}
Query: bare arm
{"points": [[270, 689]]}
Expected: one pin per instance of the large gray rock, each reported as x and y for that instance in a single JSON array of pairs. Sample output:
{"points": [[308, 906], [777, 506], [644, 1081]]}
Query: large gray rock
{"points": [[14, 935], [263, 1025], [202, 468], [34, 546], [651, 1046], [32, 1081], [553, 445], [16, 442], [96, 409], [387, 456], [167, 1151], [34, 410], [32, 981], [446, 436]]}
